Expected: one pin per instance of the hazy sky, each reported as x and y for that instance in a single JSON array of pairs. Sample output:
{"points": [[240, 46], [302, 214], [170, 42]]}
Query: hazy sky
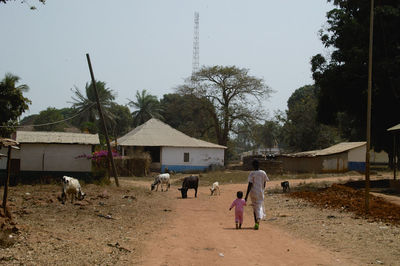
{"points": [[148, 44]]}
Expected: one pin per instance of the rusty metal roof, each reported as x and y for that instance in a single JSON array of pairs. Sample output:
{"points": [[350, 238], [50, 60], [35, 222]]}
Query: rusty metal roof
{"points": [[156, 133], [56, 137]]}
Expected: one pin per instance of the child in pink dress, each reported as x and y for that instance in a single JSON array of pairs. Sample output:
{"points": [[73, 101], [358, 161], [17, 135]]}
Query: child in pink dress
{"points": [[239, 203]]}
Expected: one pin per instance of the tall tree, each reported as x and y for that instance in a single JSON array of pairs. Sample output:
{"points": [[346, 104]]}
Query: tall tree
{"points": [[86, 103], [188, 114], [122, 121], [243, 139], [267, 135], [301, 130], [342, 75], [146, 107], [234, 95], [47, 119], [12, 103]]}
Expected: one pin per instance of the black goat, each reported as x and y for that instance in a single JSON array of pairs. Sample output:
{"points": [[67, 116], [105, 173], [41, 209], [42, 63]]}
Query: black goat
{"points": [[285, 186]]}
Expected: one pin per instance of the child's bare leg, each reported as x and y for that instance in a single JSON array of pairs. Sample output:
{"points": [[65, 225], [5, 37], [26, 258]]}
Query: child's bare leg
{"points": [[237, 225], [240, 226]]}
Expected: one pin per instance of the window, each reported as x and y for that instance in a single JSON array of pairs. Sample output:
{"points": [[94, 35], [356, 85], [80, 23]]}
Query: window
{"points": [[186, 157]]}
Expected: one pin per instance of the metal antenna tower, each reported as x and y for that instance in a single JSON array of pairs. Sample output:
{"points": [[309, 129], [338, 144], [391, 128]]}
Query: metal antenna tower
{"points": [[195, 60]]}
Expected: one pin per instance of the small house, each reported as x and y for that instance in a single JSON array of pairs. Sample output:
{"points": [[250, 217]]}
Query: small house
{"points": [[170, 148], [51, 154], [342, 157]]}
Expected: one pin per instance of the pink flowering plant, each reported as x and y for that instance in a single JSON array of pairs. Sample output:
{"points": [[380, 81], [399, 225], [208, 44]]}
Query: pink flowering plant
{"points": [[98, 155], [99, 160]]}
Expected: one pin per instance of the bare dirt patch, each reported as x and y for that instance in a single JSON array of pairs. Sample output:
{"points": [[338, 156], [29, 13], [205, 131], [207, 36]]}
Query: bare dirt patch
{"points": [[106, 228], [131, 225], [342, 232], [346, 198]]}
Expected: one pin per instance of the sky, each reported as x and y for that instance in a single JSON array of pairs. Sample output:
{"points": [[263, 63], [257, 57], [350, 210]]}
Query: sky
{"points": [[148, 44]]}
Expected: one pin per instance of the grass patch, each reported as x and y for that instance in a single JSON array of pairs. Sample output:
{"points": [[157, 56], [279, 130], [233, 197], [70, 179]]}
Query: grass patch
{"points": [[237, 177], [208, 178], [312, 186], [302, 186]]}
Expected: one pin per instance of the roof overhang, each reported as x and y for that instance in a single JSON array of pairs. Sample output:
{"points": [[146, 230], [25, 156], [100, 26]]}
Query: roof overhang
{"points": [[394, 128]]}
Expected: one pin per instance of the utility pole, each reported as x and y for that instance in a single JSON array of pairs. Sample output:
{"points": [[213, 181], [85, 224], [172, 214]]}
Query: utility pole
{"points": [[11, 144], [7, 181], [110, 157], [367, 157]]}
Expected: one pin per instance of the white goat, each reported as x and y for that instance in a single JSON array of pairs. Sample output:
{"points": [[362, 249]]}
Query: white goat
{"points": [[215, 189], [162, 179], [71, 186]]}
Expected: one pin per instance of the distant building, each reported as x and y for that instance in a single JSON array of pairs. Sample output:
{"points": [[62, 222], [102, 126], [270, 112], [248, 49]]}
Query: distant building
{"points": [[342, 157], [170, 148], [379, 158], [261, 151], [50, 154]]}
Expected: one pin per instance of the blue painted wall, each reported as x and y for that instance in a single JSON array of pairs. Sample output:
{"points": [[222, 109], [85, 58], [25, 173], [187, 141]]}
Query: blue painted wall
{"points": [[183, 168], [356, 166]]}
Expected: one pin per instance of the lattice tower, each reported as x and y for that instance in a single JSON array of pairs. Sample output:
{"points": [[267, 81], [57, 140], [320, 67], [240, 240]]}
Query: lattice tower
{"points": [[195, 59]]}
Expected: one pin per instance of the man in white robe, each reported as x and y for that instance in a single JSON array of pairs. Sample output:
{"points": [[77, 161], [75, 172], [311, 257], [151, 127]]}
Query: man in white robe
{"points": [[256, 187]]}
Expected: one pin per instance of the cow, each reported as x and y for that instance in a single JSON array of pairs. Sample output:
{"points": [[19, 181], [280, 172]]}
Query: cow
{"points": [[189, 182], [163, 179]]}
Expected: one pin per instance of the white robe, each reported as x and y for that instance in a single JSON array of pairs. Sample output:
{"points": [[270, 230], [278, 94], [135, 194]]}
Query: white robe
{"points": [[258, 178]]}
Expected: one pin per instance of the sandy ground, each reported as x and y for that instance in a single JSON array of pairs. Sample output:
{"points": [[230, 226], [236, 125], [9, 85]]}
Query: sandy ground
{"points": [[203, 233], [131, 225]]}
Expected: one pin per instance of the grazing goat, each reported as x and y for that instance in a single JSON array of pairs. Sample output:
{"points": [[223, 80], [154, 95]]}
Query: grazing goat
{"points": [[71, 186], [215, 189], [285, 186], [189, 182], [162, 179]]}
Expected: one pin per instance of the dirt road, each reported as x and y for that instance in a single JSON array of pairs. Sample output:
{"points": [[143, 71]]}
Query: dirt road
{"points": [[202, 233]]}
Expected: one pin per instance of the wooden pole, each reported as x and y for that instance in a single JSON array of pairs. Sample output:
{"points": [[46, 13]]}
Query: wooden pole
{"points": [[394, 156], [367, 157], [110, 157], [7, 180]]}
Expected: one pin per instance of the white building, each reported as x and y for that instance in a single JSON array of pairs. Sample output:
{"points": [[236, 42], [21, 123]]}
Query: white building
{"points": [[342, 157], [171, 148], [50, 154]]}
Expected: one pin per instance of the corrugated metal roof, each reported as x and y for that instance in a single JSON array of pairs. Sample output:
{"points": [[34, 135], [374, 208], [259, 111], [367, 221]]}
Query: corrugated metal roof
{"points": [[396, 127], [338, 148], [56, 137], [156, 133]]}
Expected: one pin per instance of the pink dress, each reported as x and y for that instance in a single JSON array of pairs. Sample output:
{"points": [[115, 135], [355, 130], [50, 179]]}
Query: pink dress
{"points": [[239, 204]]}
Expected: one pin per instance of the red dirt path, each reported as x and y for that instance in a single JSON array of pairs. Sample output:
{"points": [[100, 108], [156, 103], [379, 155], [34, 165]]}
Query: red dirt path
{"points": [[202, 233]]}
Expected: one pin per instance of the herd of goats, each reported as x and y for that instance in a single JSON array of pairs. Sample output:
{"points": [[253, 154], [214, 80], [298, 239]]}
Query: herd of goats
{"points": [[72, 188]]}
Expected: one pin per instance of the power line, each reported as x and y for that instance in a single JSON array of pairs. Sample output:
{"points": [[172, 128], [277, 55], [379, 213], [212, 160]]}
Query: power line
{"points": [[53, 123]]}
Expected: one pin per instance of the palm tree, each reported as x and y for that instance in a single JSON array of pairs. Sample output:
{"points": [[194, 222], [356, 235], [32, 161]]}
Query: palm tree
{"points": [[147, 106], [86, 105], [12, 102]]}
